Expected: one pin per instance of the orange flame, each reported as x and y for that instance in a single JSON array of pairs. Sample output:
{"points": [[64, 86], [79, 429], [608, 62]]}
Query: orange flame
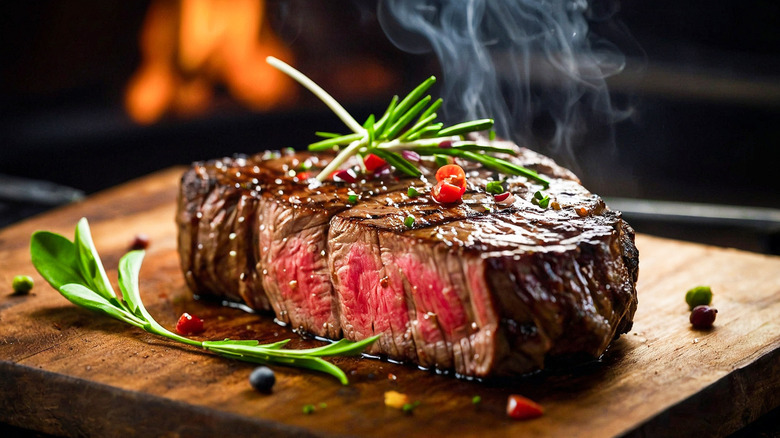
{"points": [[189, 45]]}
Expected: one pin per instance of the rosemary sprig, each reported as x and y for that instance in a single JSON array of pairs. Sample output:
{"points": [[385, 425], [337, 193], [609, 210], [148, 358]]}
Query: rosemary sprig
{"points": [[75, 270], [392, 133]]}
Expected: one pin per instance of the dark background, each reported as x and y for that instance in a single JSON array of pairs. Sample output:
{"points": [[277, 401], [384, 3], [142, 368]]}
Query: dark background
{"points": [[702, 81]]}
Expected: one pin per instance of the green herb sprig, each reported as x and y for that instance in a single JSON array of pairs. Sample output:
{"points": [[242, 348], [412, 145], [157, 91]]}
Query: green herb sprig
{"points": [[75, 270], [406, 125]]}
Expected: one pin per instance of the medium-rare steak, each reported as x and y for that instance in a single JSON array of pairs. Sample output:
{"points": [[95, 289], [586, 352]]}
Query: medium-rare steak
{"points": [[472, 287]]}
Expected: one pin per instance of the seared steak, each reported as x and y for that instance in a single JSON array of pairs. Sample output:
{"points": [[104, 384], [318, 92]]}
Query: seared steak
{"points": [[473, 287]]}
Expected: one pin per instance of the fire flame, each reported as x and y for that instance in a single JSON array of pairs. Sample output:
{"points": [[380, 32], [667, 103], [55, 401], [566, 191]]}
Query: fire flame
{"points": [[190, 45]]}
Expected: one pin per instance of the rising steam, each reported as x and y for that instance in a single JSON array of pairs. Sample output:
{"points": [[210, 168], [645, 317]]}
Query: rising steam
{"points": [[526, 63]]}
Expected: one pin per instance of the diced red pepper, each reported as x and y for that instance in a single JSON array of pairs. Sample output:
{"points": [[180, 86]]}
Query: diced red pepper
{"points": [[453, 174], [501, 196], [451, 184], [521, 408], [373, 163], [345, 175], [446, 193], [189, 324]]}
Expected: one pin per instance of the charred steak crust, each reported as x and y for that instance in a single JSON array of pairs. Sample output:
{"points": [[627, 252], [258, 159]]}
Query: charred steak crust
{"points": [[471, 287]]}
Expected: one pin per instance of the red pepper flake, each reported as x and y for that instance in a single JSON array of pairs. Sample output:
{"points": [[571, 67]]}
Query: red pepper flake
{"points": [[141, 241], [347, 175], [521, 408], [189, 325], [446, 144], [374, 164], [501, 196]]}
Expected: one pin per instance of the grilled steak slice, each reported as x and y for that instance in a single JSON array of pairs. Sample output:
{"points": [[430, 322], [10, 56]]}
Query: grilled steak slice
{"points": [[473, 287]]}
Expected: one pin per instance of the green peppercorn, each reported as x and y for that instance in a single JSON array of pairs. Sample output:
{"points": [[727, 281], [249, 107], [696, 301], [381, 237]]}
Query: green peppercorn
{"points": [[308, 409], [22, 284], [698, 296]]}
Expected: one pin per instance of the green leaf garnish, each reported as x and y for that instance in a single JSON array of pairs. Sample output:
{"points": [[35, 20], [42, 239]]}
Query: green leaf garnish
{"points": [[541, 199], [75, 270], [494, 187], [391, 133]]}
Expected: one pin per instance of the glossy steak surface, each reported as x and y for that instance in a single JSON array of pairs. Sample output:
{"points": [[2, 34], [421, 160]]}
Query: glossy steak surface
{"points": [[475, 287]]}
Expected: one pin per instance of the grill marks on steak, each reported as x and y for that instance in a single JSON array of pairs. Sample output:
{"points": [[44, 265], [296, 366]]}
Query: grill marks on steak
{"points": [[470, 287]]}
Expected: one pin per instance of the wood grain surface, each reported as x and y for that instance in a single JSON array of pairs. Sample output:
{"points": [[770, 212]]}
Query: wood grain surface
{"points": [[66, 371]]}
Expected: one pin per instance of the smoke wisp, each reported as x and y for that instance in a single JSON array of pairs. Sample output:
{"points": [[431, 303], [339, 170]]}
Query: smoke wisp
{"points": [[535, 66]]}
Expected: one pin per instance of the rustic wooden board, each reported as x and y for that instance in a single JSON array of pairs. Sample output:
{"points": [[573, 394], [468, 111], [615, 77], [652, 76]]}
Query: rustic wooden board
{"points": [[66, 371]]}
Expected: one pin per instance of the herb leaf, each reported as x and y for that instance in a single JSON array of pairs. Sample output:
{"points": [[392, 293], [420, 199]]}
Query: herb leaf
{"points": [[75, 270], [56, 258]]}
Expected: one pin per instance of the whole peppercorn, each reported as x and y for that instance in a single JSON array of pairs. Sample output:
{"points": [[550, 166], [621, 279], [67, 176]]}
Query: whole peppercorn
{"points": [[262, 379], [702, 317], [22, 284], [698, 296]]}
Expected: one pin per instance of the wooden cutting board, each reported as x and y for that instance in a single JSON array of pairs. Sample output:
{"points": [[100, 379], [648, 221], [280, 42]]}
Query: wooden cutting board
{"points": [[66, 371]]}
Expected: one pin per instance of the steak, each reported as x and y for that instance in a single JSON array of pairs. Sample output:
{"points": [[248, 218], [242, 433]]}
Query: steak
{"points": [[472, 287]]}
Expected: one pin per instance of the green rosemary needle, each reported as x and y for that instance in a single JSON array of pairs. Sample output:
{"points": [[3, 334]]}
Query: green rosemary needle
{"points": [[391, 133]]}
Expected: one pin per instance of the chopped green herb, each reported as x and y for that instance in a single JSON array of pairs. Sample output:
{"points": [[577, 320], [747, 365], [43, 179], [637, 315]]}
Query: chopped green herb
{"points": [[308, 409], [412, 192], [494, 187], [541, 199], [22, 284], [409, 407], [323, 405], [409, 221], [353, 198], [441, 160], [304, 165], [476, 400]]}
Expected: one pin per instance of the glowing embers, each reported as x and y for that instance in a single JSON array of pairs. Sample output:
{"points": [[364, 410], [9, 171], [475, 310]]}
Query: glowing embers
{"points": [[189, 46]]}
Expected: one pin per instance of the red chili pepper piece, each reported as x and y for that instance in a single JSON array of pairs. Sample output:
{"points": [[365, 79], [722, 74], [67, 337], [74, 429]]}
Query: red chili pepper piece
{"points": [[451, 186], [345, 176], [501, 196], [521, 408], [453, 174], [373, 163], [446, 193], [189, 324], [141, 241]]}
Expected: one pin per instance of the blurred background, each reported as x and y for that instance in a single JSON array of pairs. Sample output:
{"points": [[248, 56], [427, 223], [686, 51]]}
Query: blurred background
{"points": [[96, 93]]}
